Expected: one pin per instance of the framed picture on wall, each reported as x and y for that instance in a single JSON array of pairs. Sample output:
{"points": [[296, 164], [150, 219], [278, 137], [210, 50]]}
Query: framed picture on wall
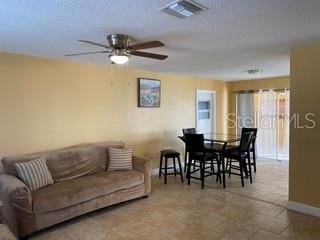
{"points": [[149, 93]]}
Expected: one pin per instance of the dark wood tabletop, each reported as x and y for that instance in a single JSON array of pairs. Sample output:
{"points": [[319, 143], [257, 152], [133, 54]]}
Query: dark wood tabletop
{"points": [[218, 137]]}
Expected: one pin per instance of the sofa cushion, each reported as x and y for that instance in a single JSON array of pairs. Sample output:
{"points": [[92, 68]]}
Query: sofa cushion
{"points": [[107, 144], [69, 163], [8, 162], [65, 194]]}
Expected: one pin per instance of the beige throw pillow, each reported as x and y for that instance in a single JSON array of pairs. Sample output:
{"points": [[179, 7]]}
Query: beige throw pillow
{"points": [[35, 173], [120, 159]]}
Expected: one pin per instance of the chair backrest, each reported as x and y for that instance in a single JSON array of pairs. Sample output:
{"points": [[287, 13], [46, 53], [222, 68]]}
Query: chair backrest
{"points": [[188, 131], [195, 142], [255, 132], [246, 140]]}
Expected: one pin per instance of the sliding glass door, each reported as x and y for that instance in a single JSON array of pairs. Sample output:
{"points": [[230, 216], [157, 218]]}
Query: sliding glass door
{"points": [[267, 125], [269, 112]]}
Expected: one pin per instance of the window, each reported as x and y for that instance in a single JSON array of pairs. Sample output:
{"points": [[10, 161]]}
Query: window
{"points": [[204, 110]]}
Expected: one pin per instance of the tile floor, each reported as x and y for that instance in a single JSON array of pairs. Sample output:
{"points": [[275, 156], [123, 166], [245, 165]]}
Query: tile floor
{"points": [[178, 211]]}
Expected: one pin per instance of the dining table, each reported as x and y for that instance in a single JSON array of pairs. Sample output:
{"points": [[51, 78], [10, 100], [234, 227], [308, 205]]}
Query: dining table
{"points": [[219, 143]]}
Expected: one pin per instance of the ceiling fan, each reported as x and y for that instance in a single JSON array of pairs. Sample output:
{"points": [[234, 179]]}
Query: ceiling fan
{"points": [[120, 50]]}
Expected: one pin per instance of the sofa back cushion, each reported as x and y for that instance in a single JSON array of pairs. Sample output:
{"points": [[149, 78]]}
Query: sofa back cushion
{"points": [[68, 163], [107, 144], [9, 161]]}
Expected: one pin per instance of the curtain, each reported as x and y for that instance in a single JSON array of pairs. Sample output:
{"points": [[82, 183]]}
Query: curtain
{"points": [[267, 125], [283, 128], [269, 112], [245, 111]]}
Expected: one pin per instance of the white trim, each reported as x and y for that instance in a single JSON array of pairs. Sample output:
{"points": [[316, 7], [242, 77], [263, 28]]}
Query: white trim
{"points": [[155, 171], [213, 108], [237, 129], [302, 208]]}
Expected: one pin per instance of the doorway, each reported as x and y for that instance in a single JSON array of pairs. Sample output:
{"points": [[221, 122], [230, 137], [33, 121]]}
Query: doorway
{"points": [[205, 111]]}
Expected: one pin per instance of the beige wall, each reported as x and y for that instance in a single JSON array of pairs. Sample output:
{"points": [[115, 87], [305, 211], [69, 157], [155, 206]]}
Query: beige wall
{"points": [[269, 83], [48, 104], [304, 177]]}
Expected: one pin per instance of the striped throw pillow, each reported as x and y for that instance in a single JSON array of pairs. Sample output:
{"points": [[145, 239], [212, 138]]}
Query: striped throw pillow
{"points": [[35, 173], [120, 159]]}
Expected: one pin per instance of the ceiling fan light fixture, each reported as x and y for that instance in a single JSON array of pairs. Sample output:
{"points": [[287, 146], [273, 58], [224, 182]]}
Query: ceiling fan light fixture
{"points": [[119, 58]]}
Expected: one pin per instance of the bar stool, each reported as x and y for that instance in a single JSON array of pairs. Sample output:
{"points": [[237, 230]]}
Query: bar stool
{"points": [[170, 153]]}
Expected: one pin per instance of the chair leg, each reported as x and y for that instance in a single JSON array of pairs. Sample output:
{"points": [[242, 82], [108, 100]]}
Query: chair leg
{"points": [[160, 168], [254, 160], [245, 167], [250, 172], [230, 162], [219, 170], [180, 169], [185, 160], [241, 171], [174, 166], [227, 163], [212, 167], [202, 166], [188, 171], [165, 170], [223, 172]]}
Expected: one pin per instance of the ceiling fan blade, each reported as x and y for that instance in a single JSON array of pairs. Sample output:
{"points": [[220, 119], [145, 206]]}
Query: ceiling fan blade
{"points": [[94, 43], [145, 45], [149, 55], [85, 53]]}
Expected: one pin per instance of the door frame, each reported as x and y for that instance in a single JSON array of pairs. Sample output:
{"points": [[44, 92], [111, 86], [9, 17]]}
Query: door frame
{"points": [[213, 107]]}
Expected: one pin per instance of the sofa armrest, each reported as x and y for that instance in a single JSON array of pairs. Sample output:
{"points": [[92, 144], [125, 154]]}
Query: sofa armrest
{"points": [[15, 196], [144, 165]]}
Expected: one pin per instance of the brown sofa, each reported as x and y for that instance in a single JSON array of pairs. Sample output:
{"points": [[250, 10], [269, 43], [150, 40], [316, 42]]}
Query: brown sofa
{"points": [[81, 185], [5, 233]]}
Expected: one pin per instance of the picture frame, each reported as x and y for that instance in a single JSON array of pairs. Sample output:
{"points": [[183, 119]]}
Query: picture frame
{"points": [[149, 93]]}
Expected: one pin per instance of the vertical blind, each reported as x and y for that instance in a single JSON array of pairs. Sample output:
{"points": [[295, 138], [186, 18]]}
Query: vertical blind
{"points": [[269, 112]]}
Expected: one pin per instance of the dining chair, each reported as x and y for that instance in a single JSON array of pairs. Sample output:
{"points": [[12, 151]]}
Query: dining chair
{"points": [[189, 131], [253, 145], [186, 150], [198, 153], [239, 156]]}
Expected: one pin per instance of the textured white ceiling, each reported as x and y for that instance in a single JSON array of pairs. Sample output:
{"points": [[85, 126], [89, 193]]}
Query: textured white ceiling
{"points": [[220, 43]]}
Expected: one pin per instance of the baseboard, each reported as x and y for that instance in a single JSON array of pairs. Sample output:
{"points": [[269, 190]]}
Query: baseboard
{"points": [[155, 171], [302, 208]]}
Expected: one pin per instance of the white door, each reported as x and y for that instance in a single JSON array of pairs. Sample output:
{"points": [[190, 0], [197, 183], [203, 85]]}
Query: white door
{"points": [[205, 111]]}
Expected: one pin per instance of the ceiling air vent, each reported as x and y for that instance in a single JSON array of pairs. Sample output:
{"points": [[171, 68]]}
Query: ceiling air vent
{"points": [[255, 71], [183, 8]]}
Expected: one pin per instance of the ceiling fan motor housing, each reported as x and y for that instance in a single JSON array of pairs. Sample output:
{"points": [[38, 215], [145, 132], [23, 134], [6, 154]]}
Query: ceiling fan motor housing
{"points": [[118, 41]]}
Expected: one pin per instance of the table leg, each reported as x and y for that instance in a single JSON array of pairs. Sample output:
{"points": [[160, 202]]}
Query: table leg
{"points": [[223, 170]]}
